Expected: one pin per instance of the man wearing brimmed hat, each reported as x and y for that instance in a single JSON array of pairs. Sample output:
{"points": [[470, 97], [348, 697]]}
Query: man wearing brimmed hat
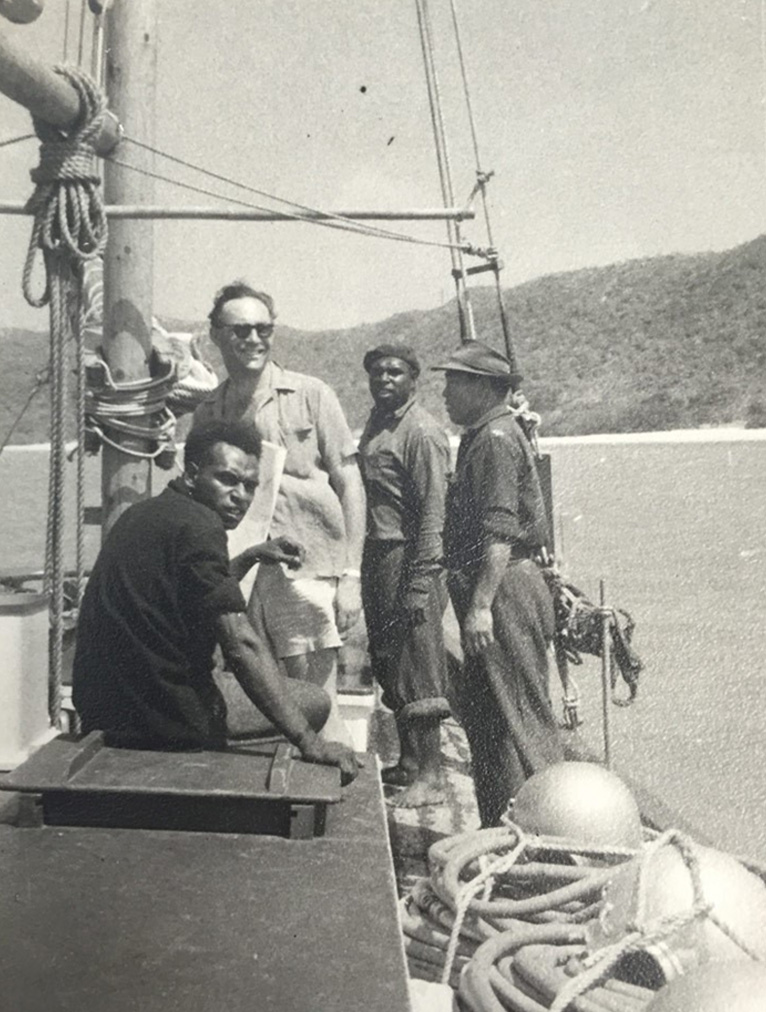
{"points": [[404, 457], [495, 523]]}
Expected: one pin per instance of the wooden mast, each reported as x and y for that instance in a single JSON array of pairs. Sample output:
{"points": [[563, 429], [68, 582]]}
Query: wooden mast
{"points": [[131, 64], [48, 96], [131, 71]]}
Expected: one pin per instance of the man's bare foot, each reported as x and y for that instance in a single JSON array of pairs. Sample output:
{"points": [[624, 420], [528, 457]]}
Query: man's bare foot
{"points": [[397, 776], [420, 793]]}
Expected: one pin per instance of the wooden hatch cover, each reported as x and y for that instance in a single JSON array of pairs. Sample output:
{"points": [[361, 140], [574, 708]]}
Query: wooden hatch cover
{"points": [[253, 788]]}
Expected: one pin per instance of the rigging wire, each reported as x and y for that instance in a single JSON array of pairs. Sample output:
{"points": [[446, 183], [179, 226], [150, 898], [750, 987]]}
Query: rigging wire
{"points": [[465, 311], [482, 178], [17, 140], [372, 230], [763, 72], [332, 221], [81, 42], [97, 50], [65, 51], [434, 117], [41, 378]]}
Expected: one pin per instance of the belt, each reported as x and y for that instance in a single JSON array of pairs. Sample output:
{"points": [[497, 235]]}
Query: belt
{"points": [[518, 552]]}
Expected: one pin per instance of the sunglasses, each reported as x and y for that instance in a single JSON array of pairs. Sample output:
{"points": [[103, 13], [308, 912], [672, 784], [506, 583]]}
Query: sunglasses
{"points": [[243, 330]]}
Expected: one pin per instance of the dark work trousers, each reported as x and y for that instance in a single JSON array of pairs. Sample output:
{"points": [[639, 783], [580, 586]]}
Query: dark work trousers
{"points": [[503, 694], [408, 661]]}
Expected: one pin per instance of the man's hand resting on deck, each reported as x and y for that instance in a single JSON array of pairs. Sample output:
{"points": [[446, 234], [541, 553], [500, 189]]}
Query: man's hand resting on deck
{"points": [[333, 753]]}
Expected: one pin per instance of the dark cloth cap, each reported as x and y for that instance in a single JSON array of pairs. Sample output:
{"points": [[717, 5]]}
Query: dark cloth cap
{"points": [[402, 351], [479, 359]]}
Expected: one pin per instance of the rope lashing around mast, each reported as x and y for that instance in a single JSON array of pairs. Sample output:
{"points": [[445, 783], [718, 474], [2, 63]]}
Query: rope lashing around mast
{"points": [[136, 409], [69, 228]]}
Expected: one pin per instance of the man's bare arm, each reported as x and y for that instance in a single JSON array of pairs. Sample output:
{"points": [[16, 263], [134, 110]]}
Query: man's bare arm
{"points": [[346, 482], [276, 550], [478, 627], [249, 658]]}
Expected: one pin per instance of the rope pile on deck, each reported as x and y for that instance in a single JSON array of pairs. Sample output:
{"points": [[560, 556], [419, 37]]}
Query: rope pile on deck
{"points": [[493, 880], [514, 921]]}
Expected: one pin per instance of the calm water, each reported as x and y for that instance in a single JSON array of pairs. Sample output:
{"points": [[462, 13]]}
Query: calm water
{"points": [[676, 531]]}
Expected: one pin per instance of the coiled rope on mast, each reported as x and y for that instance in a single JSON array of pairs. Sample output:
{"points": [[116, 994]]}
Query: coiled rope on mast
{"points": [[69, 228]]}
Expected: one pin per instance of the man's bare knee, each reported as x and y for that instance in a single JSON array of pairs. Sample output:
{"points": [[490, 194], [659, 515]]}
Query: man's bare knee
{"points": [[313, 701], [315, 667]]}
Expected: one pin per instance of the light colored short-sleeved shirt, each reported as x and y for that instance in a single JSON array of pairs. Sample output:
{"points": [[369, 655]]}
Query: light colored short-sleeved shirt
{"points": [[302, 414]]}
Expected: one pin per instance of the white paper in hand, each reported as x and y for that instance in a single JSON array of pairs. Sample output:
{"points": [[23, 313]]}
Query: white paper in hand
{"points": [[255, 527]]}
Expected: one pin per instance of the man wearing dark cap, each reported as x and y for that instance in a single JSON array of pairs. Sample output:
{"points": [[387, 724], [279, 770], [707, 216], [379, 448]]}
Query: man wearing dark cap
{"points": [[495, 523], [404, 457]]}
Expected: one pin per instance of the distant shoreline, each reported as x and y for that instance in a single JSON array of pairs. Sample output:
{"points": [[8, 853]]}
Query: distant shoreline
{"points": [[717, 434]]}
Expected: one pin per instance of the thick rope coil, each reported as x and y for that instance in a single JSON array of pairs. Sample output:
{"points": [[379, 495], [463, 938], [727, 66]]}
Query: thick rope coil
{"points": [[68, 210], [470, 890], [79, 589], [58, 274], [480, 979], [69, 228], [507, 844], [643, 934], [533, 892], [136, 409]]}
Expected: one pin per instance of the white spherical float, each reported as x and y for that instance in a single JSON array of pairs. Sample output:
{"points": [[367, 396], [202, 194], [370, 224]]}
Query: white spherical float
{"points": [[684, 905], [715, 987], [579, 801]]}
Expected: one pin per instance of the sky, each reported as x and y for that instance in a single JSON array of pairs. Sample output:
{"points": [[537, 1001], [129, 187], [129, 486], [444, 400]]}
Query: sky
{"points": [[615, 129]]}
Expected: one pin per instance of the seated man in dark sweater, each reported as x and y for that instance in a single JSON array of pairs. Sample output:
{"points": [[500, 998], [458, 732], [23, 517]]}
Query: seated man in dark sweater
{"points": [[163, 592]]}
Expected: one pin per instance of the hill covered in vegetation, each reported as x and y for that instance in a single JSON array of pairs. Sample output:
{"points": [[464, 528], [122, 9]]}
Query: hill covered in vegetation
{"points": [[661, 343]]}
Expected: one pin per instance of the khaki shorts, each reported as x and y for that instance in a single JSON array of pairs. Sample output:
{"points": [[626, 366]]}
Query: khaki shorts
{"points": [[299, 613]]}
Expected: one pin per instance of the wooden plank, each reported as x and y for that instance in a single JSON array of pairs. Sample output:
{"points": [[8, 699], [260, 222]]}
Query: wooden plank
{"points": [[92, 767], [279, 772], [86, 750]]}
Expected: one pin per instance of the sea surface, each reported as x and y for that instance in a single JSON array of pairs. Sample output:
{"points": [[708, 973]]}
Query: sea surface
{"points": [[675, 527]]}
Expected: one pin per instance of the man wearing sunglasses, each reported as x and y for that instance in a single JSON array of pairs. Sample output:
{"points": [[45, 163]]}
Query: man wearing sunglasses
{"points": [[320, 504]]}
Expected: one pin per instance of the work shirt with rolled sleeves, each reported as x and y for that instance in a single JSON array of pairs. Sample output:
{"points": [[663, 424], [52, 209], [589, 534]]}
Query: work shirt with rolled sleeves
{"points": [[495, 493], [404, 458], [302, 414]]}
